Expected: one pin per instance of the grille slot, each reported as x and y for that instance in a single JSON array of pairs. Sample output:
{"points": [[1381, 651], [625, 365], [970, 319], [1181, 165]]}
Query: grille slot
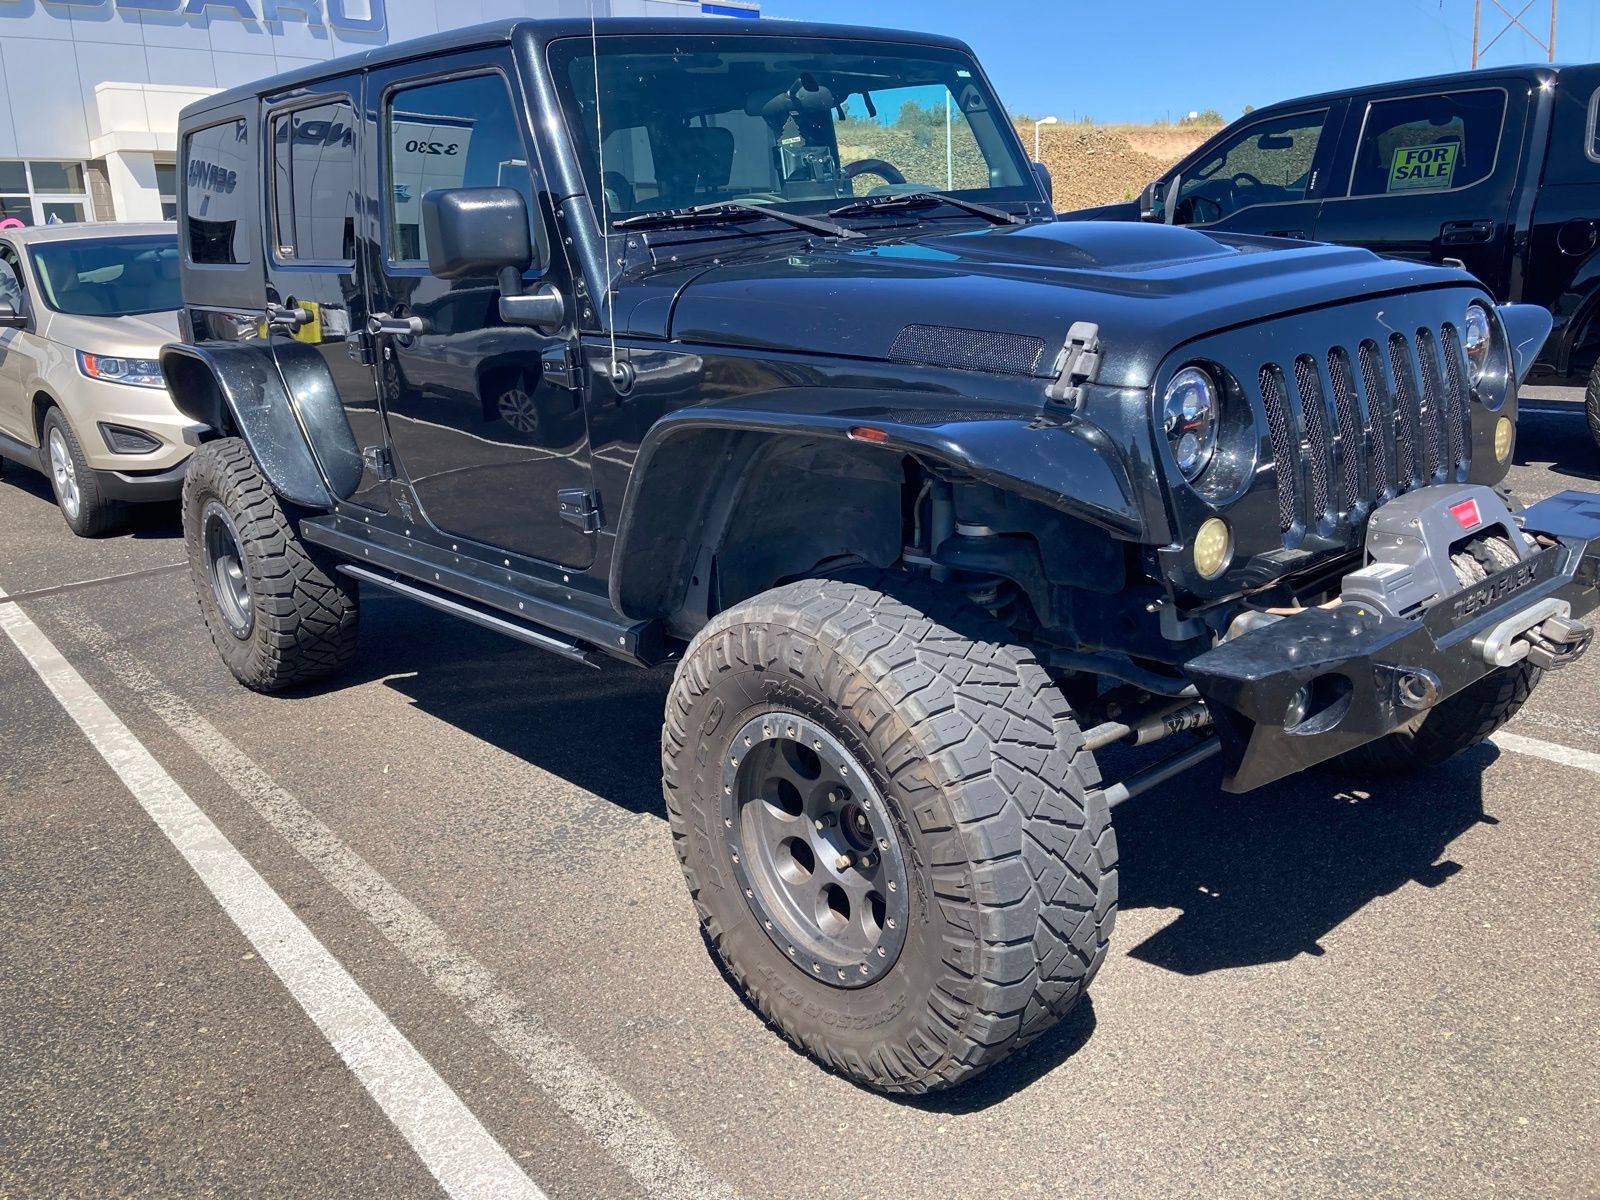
{"points": [[1314, 432], [1394, 417], [1380, 418], [1455, 407], [1272, 398], [1349, 424]]}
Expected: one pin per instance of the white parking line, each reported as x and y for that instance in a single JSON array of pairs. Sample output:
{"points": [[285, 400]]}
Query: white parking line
{"points": [[634, 1139], [1584, 760], [452, 1143]]}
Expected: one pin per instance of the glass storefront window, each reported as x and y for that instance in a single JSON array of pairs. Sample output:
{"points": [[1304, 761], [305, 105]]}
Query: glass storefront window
{"points": [[37, 192], [167, 189]]}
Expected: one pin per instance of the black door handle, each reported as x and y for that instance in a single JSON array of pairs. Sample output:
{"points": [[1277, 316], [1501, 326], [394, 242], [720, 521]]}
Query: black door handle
{"points": [[1467, 233]]}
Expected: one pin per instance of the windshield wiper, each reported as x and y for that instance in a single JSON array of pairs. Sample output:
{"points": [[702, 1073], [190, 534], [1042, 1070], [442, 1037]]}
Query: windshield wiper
{"points": [[868, 205], [725, 210]]}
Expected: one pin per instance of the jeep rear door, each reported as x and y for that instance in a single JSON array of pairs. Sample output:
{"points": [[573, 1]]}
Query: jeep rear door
{"points": [[1429, 174], [486, 419]]}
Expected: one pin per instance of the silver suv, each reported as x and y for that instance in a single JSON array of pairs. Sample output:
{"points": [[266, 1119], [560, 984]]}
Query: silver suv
{"points": [[84, 312]]}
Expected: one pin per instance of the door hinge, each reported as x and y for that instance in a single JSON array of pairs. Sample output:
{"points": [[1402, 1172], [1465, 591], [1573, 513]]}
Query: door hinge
{"points": [[379, 461], [561, 366], [360, 347], [580, 507]]}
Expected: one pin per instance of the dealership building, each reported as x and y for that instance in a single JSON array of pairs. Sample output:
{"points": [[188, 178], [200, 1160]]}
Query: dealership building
{"points": [[92, 88]]}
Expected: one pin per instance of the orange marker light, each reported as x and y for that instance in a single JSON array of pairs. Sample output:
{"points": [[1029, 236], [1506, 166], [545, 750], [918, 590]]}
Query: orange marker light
{"points": [[866, 433]]}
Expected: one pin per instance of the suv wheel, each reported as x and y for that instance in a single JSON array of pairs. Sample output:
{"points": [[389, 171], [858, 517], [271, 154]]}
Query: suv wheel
{"points": [[1591, 403], [277, 614], [889, 826], [87, 512]]}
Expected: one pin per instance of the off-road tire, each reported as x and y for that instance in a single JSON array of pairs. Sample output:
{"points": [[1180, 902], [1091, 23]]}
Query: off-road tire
{"points": [[1013, 890], [97, 515], [1591, 404], [305, 613], [1472, 714]]}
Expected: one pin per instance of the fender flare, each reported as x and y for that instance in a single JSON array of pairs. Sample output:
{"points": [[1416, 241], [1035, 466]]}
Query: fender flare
{"points": [[675, 486], [282, 400]]}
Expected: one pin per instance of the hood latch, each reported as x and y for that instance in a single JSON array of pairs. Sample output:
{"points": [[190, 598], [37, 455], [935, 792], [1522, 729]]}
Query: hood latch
{"points": [[1077, 364]]}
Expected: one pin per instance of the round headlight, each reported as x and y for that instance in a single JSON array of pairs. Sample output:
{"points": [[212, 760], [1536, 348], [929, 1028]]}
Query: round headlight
{"points": [[1477, 340], [1189, 412]]}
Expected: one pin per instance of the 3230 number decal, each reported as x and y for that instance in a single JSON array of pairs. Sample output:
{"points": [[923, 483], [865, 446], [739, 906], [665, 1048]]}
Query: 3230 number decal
{"points": [[418, 146]]}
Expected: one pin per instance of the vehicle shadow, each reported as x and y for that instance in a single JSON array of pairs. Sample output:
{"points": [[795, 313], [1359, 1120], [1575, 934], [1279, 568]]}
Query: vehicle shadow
{"points": [[599, 729], [1553, 437], [145, 521]]}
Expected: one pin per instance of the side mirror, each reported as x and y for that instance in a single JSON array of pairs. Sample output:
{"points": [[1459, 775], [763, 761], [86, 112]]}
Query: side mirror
{"points": [[1150, 201], [1041, 174], [10, 318], [476, 232]]}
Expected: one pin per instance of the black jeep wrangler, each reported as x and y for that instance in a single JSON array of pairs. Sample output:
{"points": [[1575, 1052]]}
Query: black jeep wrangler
{"points": [[761, 352]]}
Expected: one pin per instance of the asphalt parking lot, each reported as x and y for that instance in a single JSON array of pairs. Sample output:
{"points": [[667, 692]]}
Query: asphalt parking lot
{"points": [[1314, 990]]}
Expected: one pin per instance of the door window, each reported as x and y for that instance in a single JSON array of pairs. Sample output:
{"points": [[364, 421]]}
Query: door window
{"points": [[10, 285], [1428, 143], [454, 133], [1267, 163], [314, 183], [167, 189], [217, 208]]}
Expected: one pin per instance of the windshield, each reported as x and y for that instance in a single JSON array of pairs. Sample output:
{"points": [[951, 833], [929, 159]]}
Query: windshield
{"points": [[110, 277], [798, 122]]}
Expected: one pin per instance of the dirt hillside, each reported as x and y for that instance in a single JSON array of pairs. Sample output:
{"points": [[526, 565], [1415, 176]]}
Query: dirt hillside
{"points": [[1102, 164]]}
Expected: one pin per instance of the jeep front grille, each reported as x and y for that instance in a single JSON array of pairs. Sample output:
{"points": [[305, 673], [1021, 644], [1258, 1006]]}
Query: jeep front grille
{"points": [[1347, 439]]}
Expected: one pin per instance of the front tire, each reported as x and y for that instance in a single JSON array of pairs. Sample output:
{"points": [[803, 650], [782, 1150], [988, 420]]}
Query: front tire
{"points": [[278, 615], [87, 512], [926, 781], [1591, 404]]}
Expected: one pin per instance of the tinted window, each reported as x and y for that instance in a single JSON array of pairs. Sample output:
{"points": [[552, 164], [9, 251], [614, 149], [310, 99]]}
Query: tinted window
{"points": [[1266, 163], [114, 277], [314, 183], [10, 287], [801, 122], [1591, 144], [215, 205], [460, 133], [1428, 143]]}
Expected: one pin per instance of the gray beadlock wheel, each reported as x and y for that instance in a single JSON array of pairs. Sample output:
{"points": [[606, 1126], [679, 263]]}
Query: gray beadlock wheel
{"points": [[278, 613], [892, 833]]}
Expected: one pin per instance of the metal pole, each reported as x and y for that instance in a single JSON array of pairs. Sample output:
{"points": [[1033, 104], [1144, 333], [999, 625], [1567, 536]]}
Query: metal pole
{"points": [[949, 148], [1477, 21], [1552, 30], [1036, 141]]}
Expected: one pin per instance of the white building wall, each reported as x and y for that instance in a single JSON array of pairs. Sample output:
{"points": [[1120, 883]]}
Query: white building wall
{"points": [[86, 80]]}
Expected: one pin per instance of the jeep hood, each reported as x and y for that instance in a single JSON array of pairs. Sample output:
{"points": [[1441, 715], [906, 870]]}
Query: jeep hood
{"points": [[1150, 288]]}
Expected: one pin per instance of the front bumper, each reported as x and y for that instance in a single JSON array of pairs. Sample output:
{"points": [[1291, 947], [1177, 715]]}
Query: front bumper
{"points": [[142, 487], [1305, 688]]}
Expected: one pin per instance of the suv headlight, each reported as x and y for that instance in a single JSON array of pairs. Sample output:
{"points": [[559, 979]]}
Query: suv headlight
{"points": [[1189, 412], [1477, 339], [139, 372]]}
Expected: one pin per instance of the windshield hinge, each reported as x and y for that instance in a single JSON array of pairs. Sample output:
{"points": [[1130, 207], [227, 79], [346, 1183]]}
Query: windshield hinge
{"points": [[1077, 364]]}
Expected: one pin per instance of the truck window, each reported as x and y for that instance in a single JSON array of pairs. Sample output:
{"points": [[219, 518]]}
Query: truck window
{"points": [[1266, 163], [215, 204], [314, 183], [456, 133], [1591, 141], [1428, 143]]}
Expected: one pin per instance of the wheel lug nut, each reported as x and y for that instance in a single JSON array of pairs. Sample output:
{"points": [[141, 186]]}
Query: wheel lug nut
{"points": [[843, 862], [882, 953], [893, 886], [868, 861], [825, 820], [863, 969], [833, 797], [883, 843], [890, 922]]}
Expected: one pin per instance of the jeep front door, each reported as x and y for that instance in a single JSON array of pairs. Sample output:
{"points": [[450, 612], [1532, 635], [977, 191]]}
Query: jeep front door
{"points": [[486, 420], [316, 224]]}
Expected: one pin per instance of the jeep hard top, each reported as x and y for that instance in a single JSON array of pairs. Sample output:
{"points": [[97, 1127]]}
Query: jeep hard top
{"points": [[758, 350]]}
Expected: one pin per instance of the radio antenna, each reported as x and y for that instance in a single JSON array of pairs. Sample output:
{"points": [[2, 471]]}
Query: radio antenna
{"points": [[605, 208]]}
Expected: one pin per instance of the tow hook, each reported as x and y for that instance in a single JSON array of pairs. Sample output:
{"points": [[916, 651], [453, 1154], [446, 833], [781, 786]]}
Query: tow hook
{"points": [[1546, 634]]}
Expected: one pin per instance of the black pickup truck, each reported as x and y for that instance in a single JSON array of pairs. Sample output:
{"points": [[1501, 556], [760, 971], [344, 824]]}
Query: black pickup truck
{"points": [[1495, 170], [760, 352]]}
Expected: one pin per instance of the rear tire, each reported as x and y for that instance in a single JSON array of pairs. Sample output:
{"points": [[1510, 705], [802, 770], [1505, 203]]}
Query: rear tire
{"points": [[87, 512], [279, 614], [977, 790], [1591, 404]]}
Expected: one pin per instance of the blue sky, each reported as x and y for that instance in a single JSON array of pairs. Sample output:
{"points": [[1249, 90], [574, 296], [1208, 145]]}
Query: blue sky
{"points": [[1143, 60]]}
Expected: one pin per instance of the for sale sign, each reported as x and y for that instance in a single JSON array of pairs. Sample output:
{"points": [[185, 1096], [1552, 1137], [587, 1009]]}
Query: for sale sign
{"points": [[1417, 168]]}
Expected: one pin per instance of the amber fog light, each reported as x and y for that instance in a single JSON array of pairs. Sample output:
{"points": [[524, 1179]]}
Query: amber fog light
{"points": [[1504, 432], [1213, 548]]}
